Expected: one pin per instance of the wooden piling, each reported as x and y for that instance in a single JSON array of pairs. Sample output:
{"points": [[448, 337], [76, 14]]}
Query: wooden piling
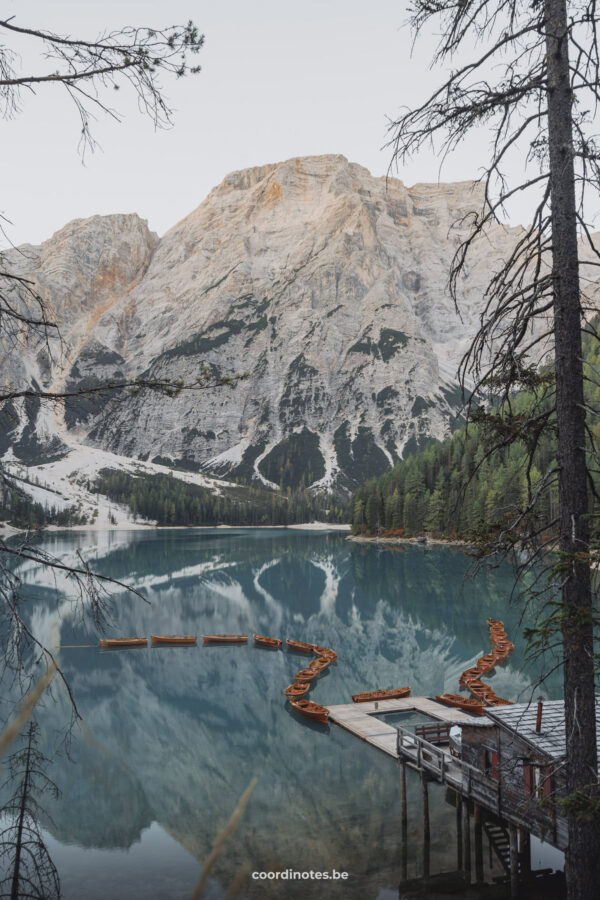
{"points": [[478, 843], [524, 851], [466, 832], [514, 861], [404, 821], [459, 840], [426, 828]]}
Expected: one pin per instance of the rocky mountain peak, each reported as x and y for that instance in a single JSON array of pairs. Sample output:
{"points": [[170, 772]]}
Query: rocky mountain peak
{"points": [[328, 286]]}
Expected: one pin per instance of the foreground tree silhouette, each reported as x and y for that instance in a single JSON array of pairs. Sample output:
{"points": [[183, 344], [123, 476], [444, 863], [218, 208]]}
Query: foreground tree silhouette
{"points": [[532, 79], [89, 71], [25, 861]]}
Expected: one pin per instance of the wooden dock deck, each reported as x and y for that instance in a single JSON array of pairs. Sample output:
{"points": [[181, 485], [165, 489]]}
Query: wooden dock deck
{"points": [[433, 761], [361, 719], [475, 789]]}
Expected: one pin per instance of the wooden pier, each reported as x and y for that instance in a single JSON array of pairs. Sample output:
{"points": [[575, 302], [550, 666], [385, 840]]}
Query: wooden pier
{"points": [[480, 793], [361, 719], [431, 760]]}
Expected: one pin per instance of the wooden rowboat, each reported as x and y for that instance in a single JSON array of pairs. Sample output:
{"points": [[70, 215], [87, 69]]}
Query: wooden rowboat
{"points": [[124, 642], [297, 690], [310, 709], [320, 663], [460, 702], [484, 694], [173, 638], [325, 651], [301, 646], [486, 663], [306, 674], [469, 675], [389, 694], [225, 638], [267, 641]]}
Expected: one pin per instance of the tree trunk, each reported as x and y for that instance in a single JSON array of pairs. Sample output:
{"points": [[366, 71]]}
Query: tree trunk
{"points": [[583, 858], [16, 878]]}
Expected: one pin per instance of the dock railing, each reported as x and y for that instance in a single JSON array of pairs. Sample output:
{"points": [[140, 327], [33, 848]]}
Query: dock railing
{"points": [[442, 766]]}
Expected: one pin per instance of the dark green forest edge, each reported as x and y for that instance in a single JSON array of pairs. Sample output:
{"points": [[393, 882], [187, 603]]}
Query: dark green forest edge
{"points": [[19, 510], [456, 490], [170, 501], [167, 500]]}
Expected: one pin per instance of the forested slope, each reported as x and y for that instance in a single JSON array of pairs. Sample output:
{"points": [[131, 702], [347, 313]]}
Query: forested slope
{"points": [[458, 488], [169, 501]]}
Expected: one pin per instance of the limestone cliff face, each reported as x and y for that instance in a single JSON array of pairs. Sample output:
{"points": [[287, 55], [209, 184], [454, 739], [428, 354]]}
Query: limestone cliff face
{"points": [[326, 285], [80, 272]]}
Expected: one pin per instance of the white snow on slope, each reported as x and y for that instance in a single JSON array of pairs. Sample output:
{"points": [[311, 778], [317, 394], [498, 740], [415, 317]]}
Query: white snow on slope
{"points": [[65, 482]]}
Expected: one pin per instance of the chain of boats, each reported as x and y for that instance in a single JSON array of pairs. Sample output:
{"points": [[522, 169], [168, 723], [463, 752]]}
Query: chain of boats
{"points": [[174, 639], [483, 694], [295, 692]]}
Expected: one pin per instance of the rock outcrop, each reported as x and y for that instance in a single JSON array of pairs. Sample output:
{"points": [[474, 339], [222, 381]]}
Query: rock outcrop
{"points": [[327, 286]]}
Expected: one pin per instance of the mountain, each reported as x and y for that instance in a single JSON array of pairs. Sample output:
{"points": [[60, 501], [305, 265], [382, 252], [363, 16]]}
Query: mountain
{"points": [[326, 285]]}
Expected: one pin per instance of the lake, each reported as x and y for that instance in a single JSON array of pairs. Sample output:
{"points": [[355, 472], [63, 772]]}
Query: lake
{"points": [[170, 737]]}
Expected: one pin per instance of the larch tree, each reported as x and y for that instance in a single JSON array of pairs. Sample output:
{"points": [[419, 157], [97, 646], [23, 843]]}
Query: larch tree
{"points": [[529, 72]]}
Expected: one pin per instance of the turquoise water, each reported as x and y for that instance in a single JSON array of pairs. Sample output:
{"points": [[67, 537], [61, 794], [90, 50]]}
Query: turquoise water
{"points": [[406, 719], [170, 737]]}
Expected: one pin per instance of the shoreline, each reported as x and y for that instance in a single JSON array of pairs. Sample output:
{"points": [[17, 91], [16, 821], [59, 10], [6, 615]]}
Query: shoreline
{"points": [[418, 541], [9, 530]]}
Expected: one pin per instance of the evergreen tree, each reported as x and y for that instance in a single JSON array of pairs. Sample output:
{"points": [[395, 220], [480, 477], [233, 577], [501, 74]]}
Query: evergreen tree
{"points": [[26, 869]]}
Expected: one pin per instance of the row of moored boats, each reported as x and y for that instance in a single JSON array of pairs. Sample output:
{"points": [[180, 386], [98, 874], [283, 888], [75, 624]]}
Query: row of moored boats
{"points": [[179, 639], [297, 691], [483, 694]]}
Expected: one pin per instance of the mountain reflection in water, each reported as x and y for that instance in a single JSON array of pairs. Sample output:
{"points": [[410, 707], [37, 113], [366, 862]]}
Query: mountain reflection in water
{"points": [[171, 736]]}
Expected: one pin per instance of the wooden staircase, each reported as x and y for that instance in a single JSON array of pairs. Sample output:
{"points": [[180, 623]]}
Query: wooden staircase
{"points": [[498, 837]]}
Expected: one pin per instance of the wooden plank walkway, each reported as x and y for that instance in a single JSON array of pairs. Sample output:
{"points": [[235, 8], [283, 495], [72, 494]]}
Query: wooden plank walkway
{"points": [[402, 743], [433, 762], [361, 718]]}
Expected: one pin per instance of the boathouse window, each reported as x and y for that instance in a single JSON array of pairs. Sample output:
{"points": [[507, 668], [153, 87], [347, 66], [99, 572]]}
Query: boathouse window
{"points": [[489, 762], [546, 783], [537, 779], [529, 778]]}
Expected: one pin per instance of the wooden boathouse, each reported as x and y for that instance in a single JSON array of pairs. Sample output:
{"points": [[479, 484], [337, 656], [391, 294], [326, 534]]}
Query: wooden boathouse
{"points": [[506, 769]]}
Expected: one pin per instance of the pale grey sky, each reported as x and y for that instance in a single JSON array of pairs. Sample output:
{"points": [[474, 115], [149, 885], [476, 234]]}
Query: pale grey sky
{"points": [[279, 79]]}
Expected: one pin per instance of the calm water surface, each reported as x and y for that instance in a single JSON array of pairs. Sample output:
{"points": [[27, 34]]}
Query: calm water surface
{"points": [[171, 736]]}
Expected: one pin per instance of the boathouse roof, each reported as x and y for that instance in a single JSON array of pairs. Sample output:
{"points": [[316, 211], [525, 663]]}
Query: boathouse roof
{"points": [[520, 718]]}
